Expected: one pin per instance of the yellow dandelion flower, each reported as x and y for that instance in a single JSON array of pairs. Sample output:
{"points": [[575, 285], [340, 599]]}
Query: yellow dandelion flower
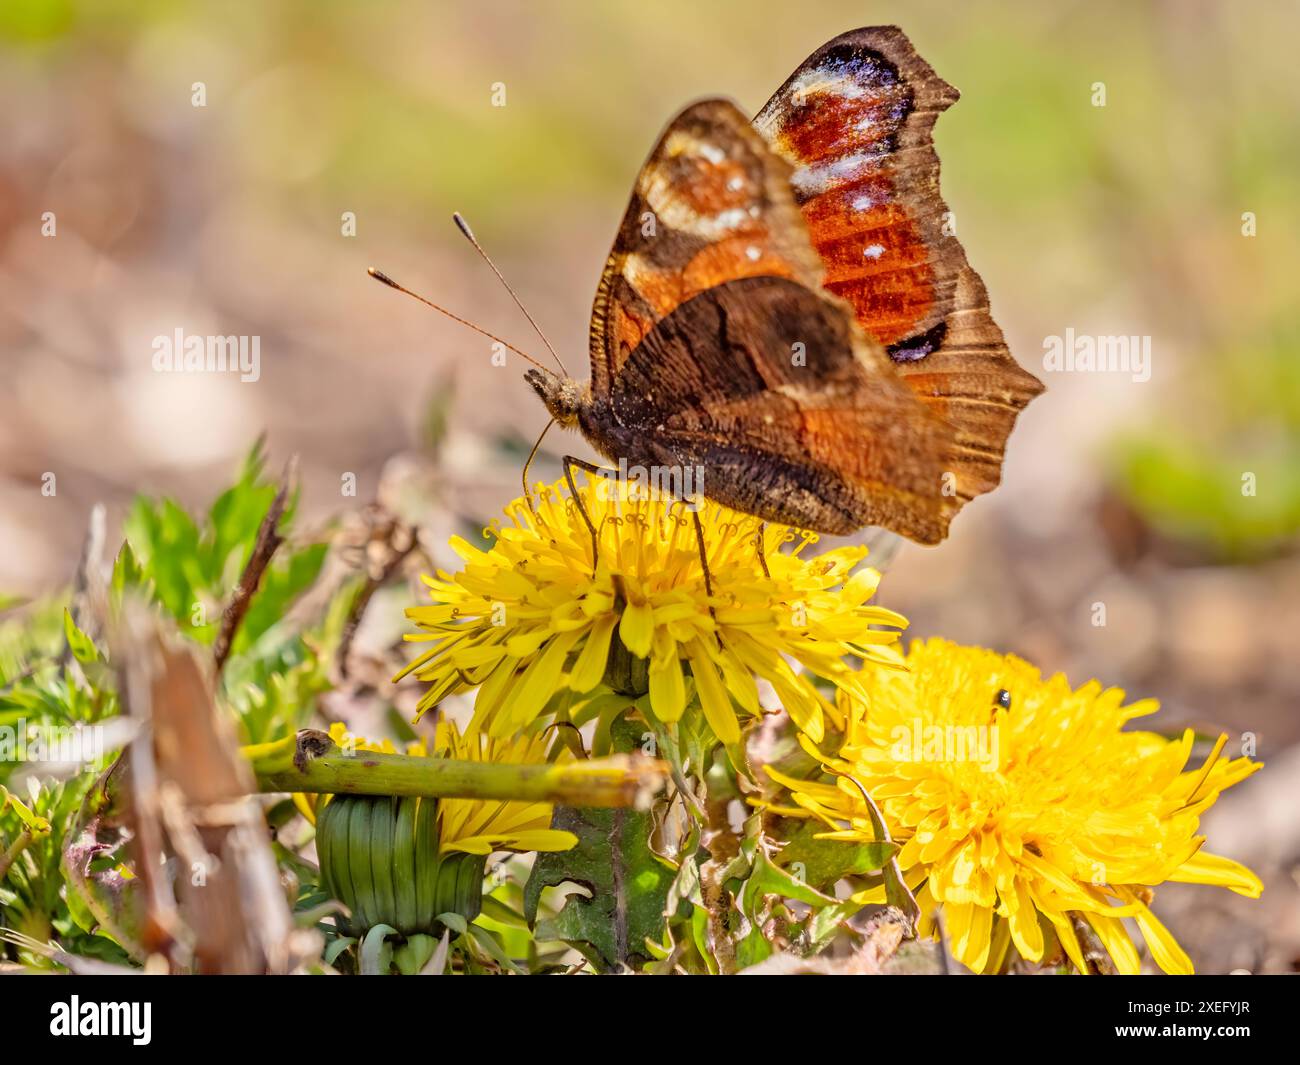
{"points": [[477, 826], [531, 616], [1016, 797]]}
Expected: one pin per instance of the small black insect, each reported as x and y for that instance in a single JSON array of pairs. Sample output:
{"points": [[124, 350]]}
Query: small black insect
{"points": [[1003, 699]]}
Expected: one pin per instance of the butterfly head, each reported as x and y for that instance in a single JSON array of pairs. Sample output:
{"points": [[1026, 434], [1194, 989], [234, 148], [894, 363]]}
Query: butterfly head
{"points": [[564, 397]]}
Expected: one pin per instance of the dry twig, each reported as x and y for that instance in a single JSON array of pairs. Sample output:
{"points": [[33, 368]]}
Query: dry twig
{"points": [[268, 540]]}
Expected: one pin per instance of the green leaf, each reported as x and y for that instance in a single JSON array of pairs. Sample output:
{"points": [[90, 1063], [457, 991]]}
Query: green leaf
{"points": [[821, 862], [82, 646], [700, 936], [414, 954], [824, 924], [752, 948], [627, 883], [168, 544], [126, 570], [96, 838], [496, 910], [628, 886], [336, 947], [489, 944], [768, 879], [376, 951], [235, 516]]}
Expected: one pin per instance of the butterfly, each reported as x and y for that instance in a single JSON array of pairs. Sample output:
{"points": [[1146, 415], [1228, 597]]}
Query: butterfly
{"points": [[786, 307]]}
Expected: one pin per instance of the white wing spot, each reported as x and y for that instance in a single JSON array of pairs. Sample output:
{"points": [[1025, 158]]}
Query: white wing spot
{"points": [[826, 80], [873, 251], [815, 179], [753, 254]]}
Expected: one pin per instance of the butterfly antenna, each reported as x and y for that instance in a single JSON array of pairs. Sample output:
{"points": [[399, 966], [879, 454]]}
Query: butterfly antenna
{"points": [[379, 275], [463, 226]]}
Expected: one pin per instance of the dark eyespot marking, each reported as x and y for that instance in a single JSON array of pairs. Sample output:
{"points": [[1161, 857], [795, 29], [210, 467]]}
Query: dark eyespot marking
{"points": [[913, 349]]}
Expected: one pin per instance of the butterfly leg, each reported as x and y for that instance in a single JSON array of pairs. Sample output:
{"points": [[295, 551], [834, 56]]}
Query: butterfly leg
{"points": [[704, 562], [528, 495], [568, 461], [760, 539]]}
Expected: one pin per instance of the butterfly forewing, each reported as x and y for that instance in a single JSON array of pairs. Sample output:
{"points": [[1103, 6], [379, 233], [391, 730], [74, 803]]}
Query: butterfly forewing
{"points": [[710, 205], [855, 121]]}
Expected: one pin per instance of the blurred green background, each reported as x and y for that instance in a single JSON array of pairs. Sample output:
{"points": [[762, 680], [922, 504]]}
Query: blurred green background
{"points": [[1125, 219]]}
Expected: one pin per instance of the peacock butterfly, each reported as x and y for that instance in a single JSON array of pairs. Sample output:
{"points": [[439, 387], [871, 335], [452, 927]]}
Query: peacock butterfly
{"points": [[786, 307]]}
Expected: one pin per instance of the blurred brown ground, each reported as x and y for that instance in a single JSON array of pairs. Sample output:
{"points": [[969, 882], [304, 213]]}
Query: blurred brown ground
{"points": [[226, 219]]}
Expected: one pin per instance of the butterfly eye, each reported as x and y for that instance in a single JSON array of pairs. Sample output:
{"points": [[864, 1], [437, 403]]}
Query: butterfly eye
{"points": [[1003, 699]]}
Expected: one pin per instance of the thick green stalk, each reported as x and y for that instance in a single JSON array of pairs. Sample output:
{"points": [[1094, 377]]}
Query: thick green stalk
{"points": [[34, 827], [10, 854], [311, 762]]}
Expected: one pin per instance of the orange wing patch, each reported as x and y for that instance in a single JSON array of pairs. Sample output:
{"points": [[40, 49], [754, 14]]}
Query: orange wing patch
{"points": [[838, 120], [712, 204], [855, 122]]}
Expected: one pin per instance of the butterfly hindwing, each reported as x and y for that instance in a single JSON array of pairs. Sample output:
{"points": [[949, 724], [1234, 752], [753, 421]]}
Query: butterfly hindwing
{"points": [[855, 121], [790, 410]]}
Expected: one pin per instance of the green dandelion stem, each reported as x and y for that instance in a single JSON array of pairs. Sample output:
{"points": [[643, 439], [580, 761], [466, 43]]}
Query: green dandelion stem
{"points": [[10, 854], [33, 828], [311, 762]]}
